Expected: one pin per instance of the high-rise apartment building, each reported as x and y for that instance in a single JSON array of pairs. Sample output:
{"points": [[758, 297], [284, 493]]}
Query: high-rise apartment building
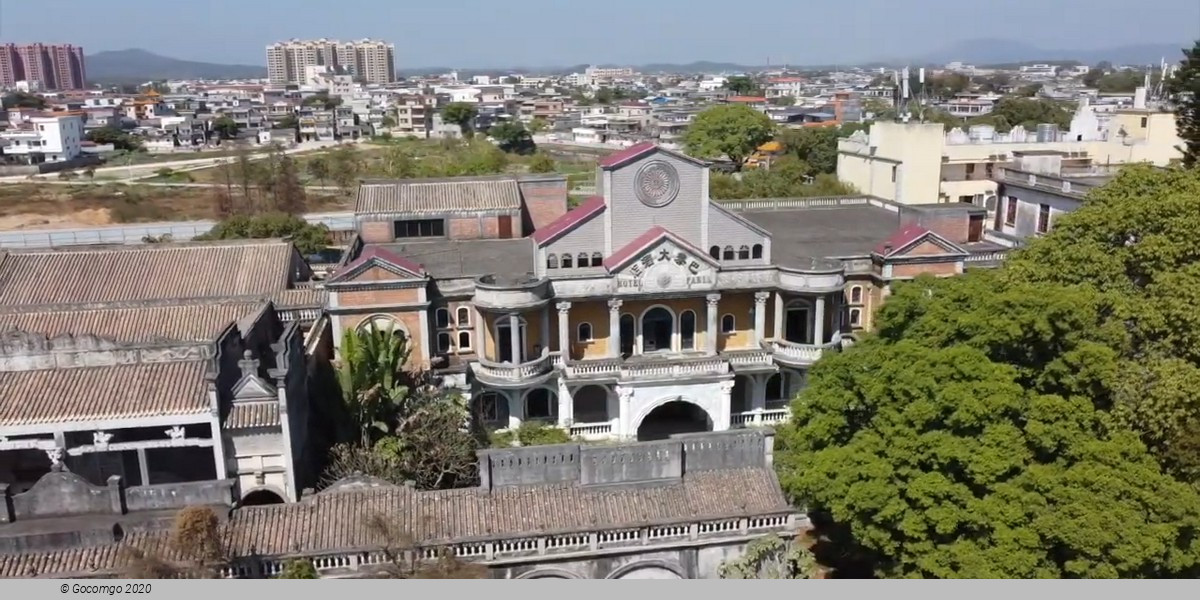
{"points": [[369, 61], [52, 66]]}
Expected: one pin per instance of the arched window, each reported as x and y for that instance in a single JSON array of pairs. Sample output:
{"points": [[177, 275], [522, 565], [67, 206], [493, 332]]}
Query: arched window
{"points": [[728, 254], [775, 387], [384, 323], [489, 407], [687, 330], [728, 324], [566, 261], [658, 330], [744, 253], [585, 332], [756, 251], [551, 261], [583, 260], [541, 403], [464, 341], [855, 317], [715, 252], [443, 341], [856, 294], [442, 318], [464, 316], [597, 259]]}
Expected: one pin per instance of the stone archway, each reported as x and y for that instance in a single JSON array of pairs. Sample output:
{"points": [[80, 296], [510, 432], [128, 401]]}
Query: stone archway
{"points": [[261, 497], [673, 417], [651, 569]]}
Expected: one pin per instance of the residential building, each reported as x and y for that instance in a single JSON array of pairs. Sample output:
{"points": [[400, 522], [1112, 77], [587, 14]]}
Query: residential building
{"points": [[51, 66], [43, 139], [915, 163], [595, 75], [970, 105], [368, 61], [648, 309], [785, 87], [1035, 188]]}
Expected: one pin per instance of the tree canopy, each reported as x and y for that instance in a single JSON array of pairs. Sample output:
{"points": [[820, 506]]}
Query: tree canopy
{"points": [[20, 99], [462, 114], [1184, 88], [513, 137], [308, 238], [741, 85], [731, 130], [1034, 421]]}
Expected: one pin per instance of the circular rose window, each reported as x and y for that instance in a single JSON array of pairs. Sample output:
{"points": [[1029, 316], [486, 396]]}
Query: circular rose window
{"points": [[657, 184]]}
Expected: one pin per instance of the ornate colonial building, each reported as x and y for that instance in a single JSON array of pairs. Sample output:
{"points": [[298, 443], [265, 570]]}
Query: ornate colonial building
{"points": [[643, 311]]}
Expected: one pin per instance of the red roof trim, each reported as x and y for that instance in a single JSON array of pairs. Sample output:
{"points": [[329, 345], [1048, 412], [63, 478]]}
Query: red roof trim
{"points": [[627, 154], [373, 253], [569, 220], [641, 242], [903, 237]]}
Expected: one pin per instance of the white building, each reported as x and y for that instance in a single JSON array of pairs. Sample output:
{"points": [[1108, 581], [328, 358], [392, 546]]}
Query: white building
{"points": [[44, 139]]}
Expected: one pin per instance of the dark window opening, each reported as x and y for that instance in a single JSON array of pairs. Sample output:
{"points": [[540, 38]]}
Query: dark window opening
{"points": [[552, 261], [744, 253], [566, 261], [420, 228], [1043, 223], [1010, 211], [540, 404], [442, 316], [728, 325], [715, 252], [687, 330], [583, 260], [756, 251], [443, 342], [728, 253]]}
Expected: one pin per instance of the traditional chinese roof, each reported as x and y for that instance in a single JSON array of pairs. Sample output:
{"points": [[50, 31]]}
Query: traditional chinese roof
{"points": [[644, 241], [338, 520], [304, 297], [133, 324], [145, 272], [415, 196], [556, 228], [102, 393], [251, 415]]}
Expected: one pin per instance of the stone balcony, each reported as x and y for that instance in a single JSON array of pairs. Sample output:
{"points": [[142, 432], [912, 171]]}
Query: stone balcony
{"points": [[648, 368], [800, 355], [517, 375]]}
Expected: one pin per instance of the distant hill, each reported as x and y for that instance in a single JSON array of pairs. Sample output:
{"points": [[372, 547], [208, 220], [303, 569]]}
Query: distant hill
{"points": [[994, 51], [136, 65]]}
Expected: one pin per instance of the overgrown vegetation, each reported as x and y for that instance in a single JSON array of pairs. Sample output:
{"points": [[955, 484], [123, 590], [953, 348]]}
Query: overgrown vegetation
{"points": [[772, 557], [1000, 423], [530, 433], [309, 238]]}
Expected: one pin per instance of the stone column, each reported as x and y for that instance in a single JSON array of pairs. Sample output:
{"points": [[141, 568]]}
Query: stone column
{"points": [[564, 330], [566, 406], [819, 327], [778, 316], [614, 328], [713, 329], [516, 408], [625, 416], [514, 337], [760, 316], [724, 406], [545, 329], [143, 468], [758, 396]]}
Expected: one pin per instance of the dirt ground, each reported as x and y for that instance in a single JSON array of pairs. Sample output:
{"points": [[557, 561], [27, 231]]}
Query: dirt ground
{"points": [[50, 206]]}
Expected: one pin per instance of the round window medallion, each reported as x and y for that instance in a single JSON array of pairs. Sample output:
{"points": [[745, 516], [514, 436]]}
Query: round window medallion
{"points": [[657, 183]]}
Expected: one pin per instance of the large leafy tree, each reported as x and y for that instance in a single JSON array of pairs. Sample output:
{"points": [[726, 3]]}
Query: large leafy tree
{"points": [[771, 557], [512, 137], [1184, 87], [731, 130], [741, 85], [462, 114], [999, 423]]}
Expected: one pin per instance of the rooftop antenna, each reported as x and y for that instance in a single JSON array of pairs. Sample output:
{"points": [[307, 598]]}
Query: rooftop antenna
{"points": [[906, 93]]}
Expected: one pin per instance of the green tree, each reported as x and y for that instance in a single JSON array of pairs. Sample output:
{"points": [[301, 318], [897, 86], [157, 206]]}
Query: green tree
{"points": [[1027, 112], [298, 568], [816, 146], [512, 137], [1184, 88], [226, 127], [462, 114], [371, 374], [1093, 77], [23, 100], [741, 85], [318, 168], [538, 125], [289, 121], [1124, 81], [771, 557], [731, 130], [308, 238], [289, 192], [541, 163], [323, 100], [111, 135], [346, 165]]}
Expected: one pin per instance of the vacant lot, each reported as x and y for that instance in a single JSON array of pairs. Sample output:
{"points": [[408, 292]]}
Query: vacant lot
{"points": [[44, 206]]}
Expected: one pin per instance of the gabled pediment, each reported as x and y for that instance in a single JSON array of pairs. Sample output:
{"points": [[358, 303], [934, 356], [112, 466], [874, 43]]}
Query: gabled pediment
{"points": [[660, 261], [915, 241], [376, 264], [252, 387]]}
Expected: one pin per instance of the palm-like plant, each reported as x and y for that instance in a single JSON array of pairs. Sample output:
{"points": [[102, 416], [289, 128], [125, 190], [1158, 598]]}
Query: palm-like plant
{"points": [[370, 372]]}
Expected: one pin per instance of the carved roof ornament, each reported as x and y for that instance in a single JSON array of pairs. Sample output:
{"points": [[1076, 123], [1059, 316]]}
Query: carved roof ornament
{"points": [[101, 438], [175, 433], [55, 455], [248, 364], [657, 183]]}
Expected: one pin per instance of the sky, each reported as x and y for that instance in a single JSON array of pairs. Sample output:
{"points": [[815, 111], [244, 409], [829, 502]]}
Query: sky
{"points": [[540, 33]]}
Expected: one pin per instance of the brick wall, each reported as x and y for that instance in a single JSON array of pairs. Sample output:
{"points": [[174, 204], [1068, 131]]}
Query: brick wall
{"points": [[378, 297], [466, 228], [377, 232], [912, 270], [952, 226], [544, 200]]}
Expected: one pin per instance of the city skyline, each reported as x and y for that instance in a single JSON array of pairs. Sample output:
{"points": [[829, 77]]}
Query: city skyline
{"points": [[483, 36]]}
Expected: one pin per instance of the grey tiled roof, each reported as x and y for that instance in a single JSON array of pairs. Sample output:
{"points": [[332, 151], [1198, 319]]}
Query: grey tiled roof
{"points": [[339, 520], [248, 415], [99, 393], [449, 259], [438, 196], [834, 232], [132, 324]]}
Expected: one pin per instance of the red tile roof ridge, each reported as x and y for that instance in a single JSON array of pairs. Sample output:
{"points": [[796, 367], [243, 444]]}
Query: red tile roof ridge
{"points": [[592, 206], [372, 252], [651, 235], [627, 154], [901, 238]]}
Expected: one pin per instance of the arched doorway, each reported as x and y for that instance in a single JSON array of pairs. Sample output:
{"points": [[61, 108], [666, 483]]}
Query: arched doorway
{"points": [[590, 404], [261, 497], [504, 341], [658, 327], [798, 323], [541, 404], [674, 417]]}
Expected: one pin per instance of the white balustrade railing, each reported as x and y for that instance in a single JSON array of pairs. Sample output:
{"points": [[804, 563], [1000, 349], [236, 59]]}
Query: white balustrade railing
{"points": [[760, 417], [593, 369], [754, 357], [541, 365], [986, 257], [801, 353], [716, 366], [589, 431]]}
